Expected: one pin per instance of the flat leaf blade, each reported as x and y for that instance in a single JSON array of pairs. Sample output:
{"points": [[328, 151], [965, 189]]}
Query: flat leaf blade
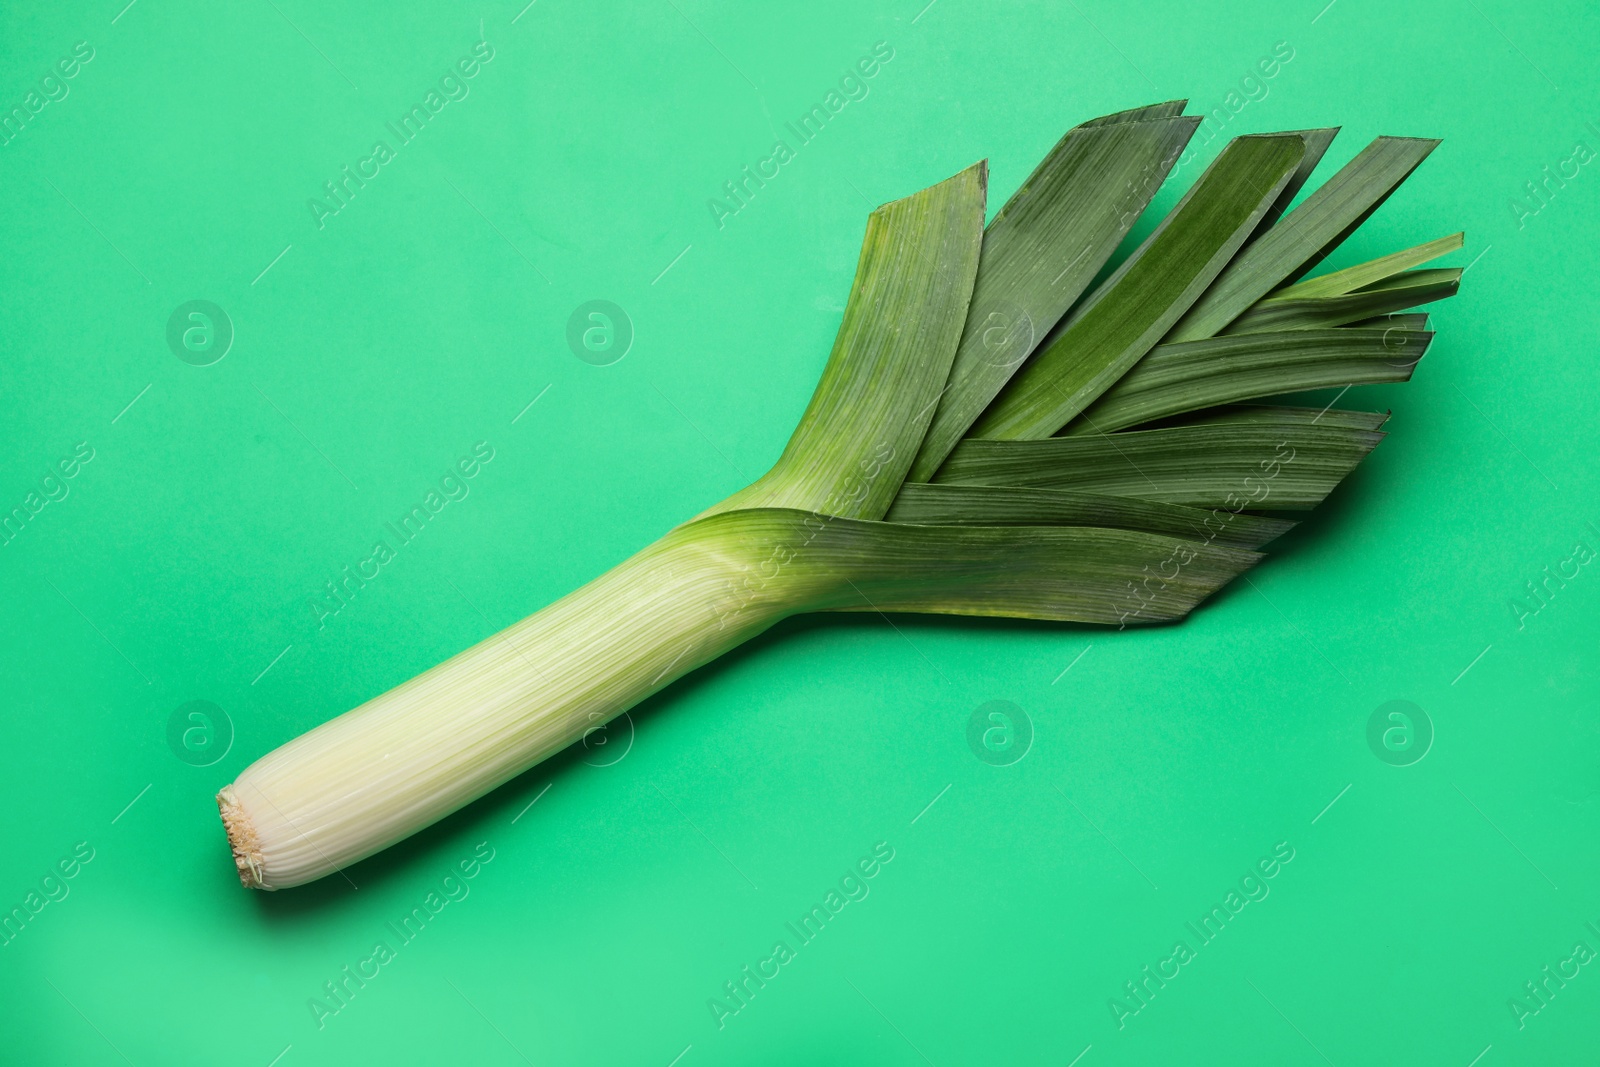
{"points": [[1063, 574], [1301, 240], [1341, 282], [1138, 304], [1165, 109], [941, 504], [890, 360], [1279, 415], [1240, 465], [1316, 142], [1044, 248], [1405, 290], [1397, 321], [1193, 375]]}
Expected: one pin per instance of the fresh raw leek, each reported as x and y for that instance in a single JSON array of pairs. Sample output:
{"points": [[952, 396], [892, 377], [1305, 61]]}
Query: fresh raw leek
{"points": [[988, 437]]}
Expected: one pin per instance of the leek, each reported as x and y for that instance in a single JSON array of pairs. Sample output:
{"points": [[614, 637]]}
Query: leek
{"points": [[989, 437]]}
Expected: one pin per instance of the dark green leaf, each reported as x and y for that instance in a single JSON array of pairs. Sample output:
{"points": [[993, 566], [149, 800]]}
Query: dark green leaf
{"points": [[1235, 464], [1397, 293], [890, 360], [1417, 320], [1138, 304], [1178, 378], [1276, 415], [1044, 248], [1061, 573], [1372, 272], [1317, 142], [1307, 234], [939, 504], [1164, 110]]}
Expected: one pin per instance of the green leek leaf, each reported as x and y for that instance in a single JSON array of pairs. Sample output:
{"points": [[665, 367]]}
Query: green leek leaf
{"points": [[1415, 320], [1045, 247], [1235, 463], [1317, 142], [1362, 275], [1178, 378], [1061, 573], [1164, 110], [890, 360], [941, 504], [1307, 234], [1138, 304], [1405, 290], [1275, 415]]}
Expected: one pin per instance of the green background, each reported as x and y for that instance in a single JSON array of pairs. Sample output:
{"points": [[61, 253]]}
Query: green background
{"points": [[431, 310]]}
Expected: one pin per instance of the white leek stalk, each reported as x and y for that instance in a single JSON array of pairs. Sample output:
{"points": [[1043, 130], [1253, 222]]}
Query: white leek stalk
{"points": [[420, 751]]}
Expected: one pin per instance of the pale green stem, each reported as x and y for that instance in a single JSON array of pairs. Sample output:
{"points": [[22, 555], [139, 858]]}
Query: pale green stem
{"points": [[407, 758]]}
